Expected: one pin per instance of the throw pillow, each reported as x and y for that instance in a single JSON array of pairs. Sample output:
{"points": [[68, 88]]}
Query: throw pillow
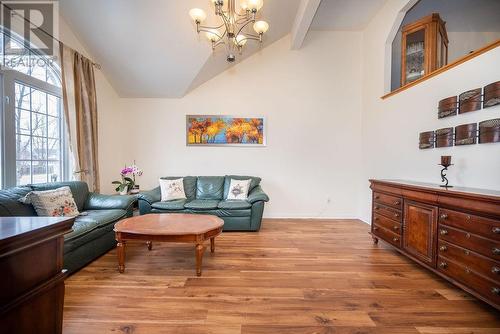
{"points": [[238, 189], [172, 189], [52, 203]]}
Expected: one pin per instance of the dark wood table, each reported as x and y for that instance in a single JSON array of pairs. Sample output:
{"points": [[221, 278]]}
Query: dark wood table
{"points": [[32, 275], [168, 228]]}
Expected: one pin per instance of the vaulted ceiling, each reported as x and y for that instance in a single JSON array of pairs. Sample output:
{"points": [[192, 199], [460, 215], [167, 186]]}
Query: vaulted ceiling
{"points": [[150, 48]]}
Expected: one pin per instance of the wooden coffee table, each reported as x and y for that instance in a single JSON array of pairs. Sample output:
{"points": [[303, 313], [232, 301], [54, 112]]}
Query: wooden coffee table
{"points": [[168, 228]]}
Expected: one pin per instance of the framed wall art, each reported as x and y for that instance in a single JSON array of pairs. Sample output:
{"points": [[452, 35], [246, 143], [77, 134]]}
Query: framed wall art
{"points": [[470, 101], [491, 95], [219, 130], [466, 134], [448, 107], [444, 137]]}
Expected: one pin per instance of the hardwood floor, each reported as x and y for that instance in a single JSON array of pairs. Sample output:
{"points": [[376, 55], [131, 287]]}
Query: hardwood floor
{"points": [[294, 276]]}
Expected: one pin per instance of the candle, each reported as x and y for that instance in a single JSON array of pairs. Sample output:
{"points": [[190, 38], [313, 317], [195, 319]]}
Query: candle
{"points": [[446, 160]]}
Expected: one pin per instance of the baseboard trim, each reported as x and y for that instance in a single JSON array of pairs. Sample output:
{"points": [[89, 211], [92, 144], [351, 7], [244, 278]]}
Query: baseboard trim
{"points": [[332, 219]]}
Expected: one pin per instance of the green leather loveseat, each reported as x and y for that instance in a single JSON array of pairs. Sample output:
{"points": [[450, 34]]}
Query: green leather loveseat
{"points": [[207, 195], [92, 234]]}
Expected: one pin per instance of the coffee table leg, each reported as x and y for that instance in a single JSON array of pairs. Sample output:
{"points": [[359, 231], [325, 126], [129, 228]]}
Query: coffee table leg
{"points": [[212, 244], [150, 245], [199, 256], [120, 250]]}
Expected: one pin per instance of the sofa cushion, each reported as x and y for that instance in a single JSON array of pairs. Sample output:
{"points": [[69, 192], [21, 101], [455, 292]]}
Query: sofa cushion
{"points": [[172, 189], [80, 227], [104, 217], [10, 205], [202, 204], [57, 202], [189, 184], [79, 189], [234, 205], [227, 181], [177, 204], [210, 187]]}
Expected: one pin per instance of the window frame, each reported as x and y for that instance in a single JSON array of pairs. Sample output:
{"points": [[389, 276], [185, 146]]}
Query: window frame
{"points": [[8, 79]]}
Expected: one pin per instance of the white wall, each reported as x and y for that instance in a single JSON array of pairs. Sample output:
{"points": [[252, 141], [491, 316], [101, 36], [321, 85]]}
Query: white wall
{"points": [[469, 41], [391, 126], [310, 99], [110, 118], [328, 130]]}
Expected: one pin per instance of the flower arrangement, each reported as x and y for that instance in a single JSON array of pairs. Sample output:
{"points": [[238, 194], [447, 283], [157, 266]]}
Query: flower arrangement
{"points": [[127, 183]]}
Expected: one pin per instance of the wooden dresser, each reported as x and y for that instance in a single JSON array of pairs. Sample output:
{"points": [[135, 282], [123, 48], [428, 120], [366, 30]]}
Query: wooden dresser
{"points": [[454, 232], [32, 275]]}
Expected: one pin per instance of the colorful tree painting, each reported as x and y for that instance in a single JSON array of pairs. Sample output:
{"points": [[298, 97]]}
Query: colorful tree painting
{"points": [[221, 130]]}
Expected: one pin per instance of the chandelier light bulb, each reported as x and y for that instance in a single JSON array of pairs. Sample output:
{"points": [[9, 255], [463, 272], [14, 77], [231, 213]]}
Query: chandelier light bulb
{"points": [[255, 5], [213, 35], [240, 40], [198, 15], [260, 27]]}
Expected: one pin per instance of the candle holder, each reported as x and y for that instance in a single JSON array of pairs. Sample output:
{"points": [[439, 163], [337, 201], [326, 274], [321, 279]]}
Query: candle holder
{"points": [[445, 163]]}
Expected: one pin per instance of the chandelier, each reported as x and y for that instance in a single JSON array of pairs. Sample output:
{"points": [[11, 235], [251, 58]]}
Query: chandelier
{"points": [[230, 33]]}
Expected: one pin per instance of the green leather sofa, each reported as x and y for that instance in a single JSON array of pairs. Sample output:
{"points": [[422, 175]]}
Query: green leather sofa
{"points": [[207, 195], [92, 234]]}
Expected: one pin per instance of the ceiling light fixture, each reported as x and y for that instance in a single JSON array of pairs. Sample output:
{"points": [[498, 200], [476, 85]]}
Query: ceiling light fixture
{"points": [[233, 24]]}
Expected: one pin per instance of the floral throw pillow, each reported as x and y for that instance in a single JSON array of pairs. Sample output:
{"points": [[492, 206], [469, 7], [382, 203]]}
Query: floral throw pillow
{"points": [[52, 203], [238, 189], [172, 189]]}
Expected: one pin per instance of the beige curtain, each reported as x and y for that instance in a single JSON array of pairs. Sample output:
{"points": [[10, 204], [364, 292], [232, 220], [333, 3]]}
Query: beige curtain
{"points": [[80, 111]]}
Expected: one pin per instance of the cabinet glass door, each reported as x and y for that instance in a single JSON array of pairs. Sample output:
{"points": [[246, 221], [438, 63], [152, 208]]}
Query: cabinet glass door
{"points": [[414, 55]]}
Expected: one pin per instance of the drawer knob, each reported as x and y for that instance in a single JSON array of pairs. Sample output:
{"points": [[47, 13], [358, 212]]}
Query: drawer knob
{"points": [[397, 202], [396, 227], [443, 265], [376, 207], [495, 291], [496, 230], [443, 232], [466, 252], [496, 251], [443, 216], [467, 270], [395, 239], [467, 218], [443, 248], [375, 228], [397, 215], [467, 235], [495, 270], [376, 218], [377, 196]]}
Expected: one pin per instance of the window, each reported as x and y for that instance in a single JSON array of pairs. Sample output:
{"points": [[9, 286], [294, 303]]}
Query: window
{"points": [[38, 127], [33, 141]]}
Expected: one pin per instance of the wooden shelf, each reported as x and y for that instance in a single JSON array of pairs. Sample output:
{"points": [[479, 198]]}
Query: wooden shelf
{"points": [[444, 68]]}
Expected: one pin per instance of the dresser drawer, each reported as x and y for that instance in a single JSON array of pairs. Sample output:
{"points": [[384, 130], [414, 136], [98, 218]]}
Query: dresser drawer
{"points": [[392, 201], [386, 235], [487, 247], [470, 259], [485, 287], [483, 226], [387, 223], [388, 212]]}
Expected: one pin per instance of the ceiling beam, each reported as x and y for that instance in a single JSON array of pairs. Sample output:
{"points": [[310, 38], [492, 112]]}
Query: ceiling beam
{"points": [[303, 20]]}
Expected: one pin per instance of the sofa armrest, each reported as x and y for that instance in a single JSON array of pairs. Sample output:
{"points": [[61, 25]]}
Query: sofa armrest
{"points": [[107, 202], [150, 196], [257, 194]]}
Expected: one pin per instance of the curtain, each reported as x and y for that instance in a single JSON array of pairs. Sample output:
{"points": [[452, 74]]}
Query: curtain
{"points": [[80, 111]]}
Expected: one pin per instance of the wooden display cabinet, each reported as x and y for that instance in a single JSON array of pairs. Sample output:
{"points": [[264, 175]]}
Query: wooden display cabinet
{"points": [[424, 48]]}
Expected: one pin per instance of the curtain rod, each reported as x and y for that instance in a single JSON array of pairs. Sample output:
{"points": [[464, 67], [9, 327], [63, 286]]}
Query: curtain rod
{"points": [[95, 64]]}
